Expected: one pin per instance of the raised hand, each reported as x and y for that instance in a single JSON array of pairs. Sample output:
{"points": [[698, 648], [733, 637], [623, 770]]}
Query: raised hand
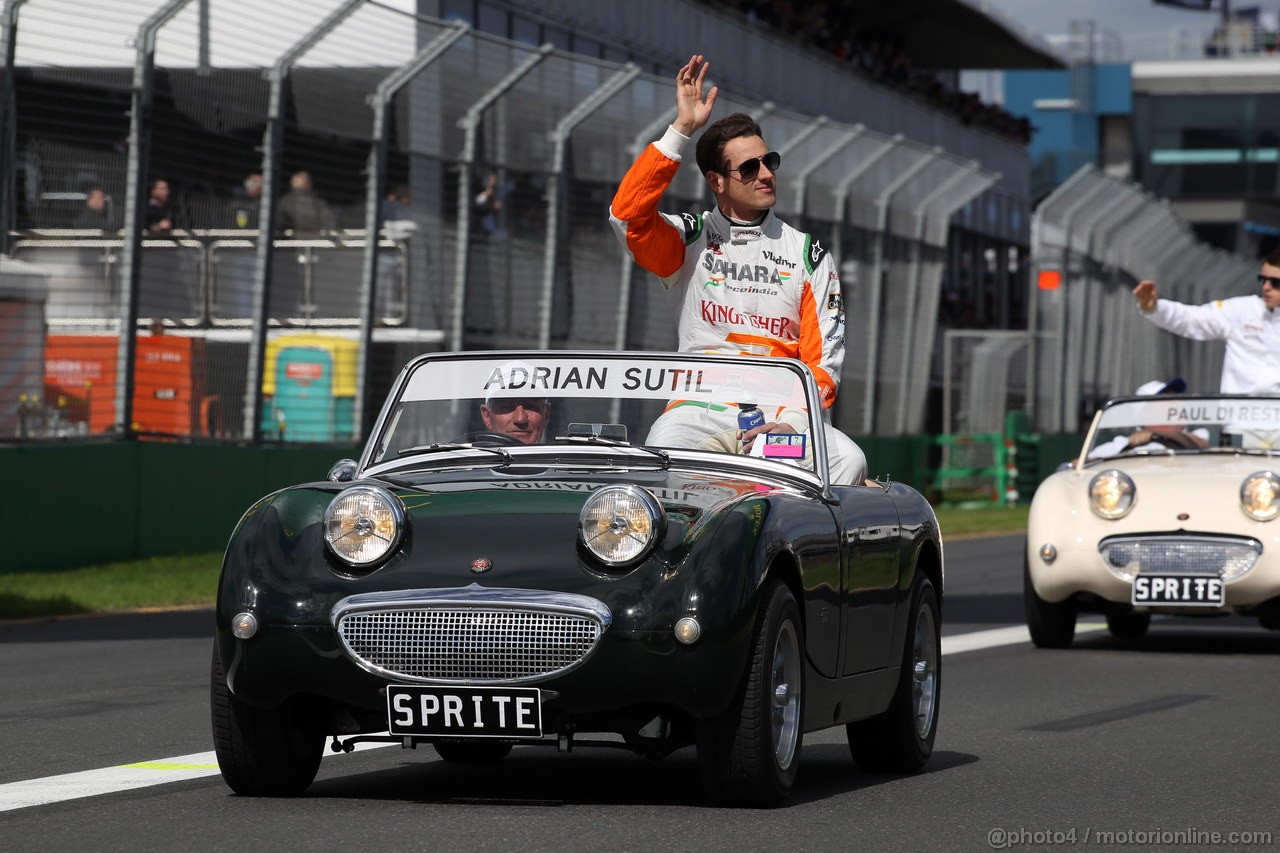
{"points": [[1146, 295], [692, 111]]}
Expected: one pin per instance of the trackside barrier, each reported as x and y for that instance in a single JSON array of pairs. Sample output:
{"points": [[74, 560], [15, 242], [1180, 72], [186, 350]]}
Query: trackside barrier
{"points": [[998, 468], [142, 513], [973, 469]]}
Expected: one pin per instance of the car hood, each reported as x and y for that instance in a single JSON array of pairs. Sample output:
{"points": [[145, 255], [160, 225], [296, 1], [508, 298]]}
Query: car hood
{"points": [[1194, 492], [514, 529]]}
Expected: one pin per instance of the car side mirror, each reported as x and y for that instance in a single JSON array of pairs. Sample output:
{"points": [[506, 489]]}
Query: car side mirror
{"points": [[343, 471]]}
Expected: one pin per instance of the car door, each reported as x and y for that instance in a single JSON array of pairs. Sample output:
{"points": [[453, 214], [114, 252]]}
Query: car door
{"points": [[871, 552]]}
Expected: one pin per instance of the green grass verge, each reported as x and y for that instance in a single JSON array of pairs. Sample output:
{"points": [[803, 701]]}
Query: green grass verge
{"points": [[191, 579], [985, 519]]}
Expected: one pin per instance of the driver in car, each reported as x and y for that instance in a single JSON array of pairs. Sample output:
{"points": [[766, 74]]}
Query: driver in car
{"points": [[522, 418], [1155, 436]]}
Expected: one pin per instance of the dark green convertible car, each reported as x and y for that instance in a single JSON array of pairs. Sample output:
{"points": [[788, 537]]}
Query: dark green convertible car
{"points": [[562, 549]]}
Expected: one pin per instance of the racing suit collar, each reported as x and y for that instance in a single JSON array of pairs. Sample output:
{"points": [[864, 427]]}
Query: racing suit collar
{"points": [[739, 233]]}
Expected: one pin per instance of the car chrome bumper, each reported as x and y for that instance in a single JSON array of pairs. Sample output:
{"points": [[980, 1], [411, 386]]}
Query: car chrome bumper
{"points": [[1082, 567]]}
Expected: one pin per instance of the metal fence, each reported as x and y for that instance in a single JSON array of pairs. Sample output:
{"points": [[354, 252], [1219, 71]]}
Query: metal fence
{"points": [[484, 166], [1093, 239]]}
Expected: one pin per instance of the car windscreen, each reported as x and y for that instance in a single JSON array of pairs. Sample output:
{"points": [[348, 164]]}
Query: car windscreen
{"points": [[545, 398], [1186, 424]]}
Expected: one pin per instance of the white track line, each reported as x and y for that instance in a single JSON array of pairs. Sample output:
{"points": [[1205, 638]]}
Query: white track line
{"points": [[91, 783], [126, 777], [1012, 635], [182, 768]]}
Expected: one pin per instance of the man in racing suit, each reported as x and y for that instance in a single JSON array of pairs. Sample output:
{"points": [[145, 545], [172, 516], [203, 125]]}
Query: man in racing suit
{"points": [[741, 280], [1249, 324]]}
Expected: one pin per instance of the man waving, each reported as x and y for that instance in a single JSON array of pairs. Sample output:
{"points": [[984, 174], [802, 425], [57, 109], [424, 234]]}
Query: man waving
{"points": [[741, 280]]}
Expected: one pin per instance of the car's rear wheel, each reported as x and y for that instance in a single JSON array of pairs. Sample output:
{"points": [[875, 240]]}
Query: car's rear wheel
{"points": [[900, 740], [1052, 626], [472, 752], [1128, 626], [750, 756], [261, 753]]}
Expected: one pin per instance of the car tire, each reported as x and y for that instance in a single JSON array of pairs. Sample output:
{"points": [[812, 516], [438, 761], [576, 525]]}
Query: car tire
{"points": [[1052, 626], [750, 755], [261, 753], [1128, 626], [472, 752], [900, 740]]}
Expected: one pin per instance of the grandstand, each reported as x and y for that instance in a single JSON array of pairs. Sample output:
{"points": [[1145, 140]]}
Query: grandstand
{"points": [[400, 112]]}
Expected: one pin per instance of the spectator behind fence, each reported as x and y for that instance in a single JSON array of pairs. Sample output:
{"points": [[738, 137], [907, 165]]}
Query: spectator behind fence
{"points": [[490, 202], [301, 209], [159, 208], [242, 212], [98, 211], [396, 213]]}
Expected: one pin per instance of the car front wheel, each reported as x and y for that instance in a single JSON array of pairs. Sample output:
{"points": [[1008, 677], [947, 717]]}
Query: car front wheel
{"points": [[900, 740], [1052, 626], [749, 756], [261, 753]]}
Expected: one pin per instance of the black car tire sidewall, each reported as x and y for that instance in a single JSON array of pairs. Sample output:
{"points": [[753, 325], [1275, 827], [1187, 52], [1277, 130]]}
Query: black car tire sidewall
{"points": [[1052, 626], [891, 741], [736, 752], [261, 753]]}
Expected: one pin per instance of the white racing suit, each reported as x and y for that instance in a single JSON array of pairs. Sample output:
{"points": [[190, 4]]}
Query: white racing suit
{"points": [[763, 289], [1251, 364]]}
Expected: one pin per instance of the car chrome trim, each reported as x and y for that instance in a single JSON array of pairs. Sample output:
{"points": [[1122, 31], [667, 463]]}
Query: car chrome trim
{"points": [[786, 670], [567, 629], [924, 671], [1230, 557]]}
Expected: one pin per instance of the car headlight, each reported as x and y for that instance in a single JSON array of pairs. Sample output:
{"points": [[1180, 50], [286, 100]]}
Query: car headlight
{"points": [[363, 524], [1260, 496], [1111, 494], [619, 524]]}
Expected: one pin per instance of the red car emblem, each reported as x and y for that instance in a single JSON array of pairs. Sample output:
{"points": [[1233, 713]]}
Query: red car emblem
{"points": [[481, 564]]}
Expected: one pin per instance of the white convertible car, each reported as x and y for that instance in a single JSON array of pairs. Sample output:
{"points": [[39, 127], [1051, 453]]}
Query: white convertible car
{"points": [[1171, 507]]}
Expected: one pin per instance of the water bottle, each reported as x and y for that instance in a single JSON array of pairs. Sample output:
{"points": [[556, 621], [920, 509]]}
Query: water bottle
{"points": [[749, 417]]}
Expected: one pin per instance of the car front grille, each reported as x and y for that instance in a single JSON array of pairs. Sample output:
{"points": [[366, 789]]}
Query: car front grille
{"points": [[448, 642], [1228, 558]]}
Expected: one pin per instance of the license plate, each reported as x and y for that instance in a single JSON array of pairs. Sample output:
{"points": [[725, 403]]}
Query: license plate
{"points": [[1206, 590], [464, 711]]}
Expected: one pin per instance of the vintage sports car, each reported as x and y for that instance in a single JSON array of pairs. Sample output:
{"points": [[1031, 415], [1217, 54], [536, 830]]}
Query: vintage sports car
{"points": [[511, 562], [1171, 507]]}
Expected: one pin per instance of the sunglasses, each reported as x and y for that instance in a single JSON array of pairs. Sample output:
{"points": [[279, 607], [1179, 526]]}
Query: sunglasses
{"points": [[1269, 279], [750, 168], [507, 405]]}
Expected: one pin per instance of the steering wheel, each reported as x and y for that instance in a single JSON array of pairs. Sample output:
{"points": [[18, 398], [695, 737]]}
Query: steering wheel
{"points": [[1174, 442], [483, 438]]}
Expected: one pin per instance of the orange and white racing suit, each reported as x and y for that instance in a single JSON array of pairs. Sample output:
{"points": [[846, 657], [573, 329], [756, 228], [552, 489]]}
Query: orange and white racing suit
{"points": [[755, 289]]}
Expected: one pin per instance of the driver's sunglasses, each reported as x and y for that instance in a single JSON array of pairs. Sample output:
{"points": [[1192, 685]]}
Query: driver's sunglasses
{"points": [[750, 168], [507, 405], [1272, 280]]}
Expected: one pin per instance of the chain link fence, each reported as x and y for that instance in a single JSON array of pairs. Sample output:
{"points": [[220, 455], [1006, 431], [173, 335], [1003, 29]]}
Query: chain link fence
{"points": [[192, 187]]}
